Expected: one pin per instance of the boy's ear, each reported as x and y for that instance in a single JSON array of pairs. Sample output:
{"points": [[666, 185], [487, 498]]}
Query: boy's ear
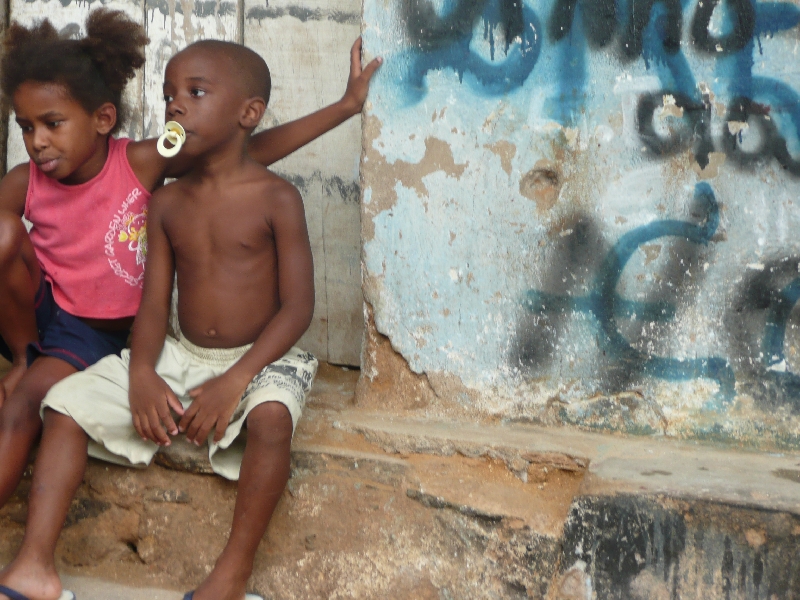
{"points": [[105, 118], [252, 112]]}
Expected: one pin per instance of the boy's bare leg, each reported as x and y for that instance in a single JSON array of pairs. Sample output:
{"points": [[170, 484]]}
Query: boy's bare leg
{"points": [[19, 278], [57, 474], [264, 473], [19, 419]]}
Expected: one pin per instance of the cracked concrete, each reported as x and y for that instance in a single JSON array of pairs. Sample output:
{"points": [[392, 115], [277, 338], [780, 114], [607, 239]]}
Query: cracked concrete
{"points": [[396, 505]]}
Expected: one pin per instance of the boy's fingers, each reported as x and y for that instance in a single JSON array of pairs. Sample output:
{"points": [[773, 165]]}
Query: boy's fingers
{"points": [[202, 433], [137, 425], [166, 419], [159, 435], [222, 425], [188, 417], [370, 69], [173, 402], [146, 431], [355, 58], [193, 429]]}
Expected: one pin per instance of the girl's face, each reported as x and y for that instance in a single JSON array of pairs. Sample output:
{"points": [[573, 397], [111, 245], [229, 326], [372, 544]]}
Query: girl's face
{"points": [[65, 141]]}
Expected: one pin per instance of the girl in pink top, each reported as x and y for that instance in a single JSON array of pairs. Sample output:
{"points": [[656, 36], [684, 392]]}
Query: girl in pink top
{"points": [[70, 288]]}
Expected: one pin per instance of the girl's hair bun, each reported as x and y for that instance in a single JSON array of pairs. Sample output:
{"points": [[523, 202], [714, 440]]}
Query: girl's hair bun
{"points": [[115, 44], [94, 69]]}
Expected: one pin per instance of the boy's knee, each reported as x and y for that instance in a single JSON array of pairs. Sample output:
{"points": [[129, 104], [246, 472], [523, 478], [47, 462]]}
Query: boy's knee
{"points": [[272, 421], [54, 420]]}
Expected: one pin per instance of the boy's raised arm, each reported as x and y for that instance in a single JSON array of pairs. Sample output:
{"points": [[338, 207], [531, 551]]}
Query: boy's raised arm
{"points": [[274, 144], [150, 397]]}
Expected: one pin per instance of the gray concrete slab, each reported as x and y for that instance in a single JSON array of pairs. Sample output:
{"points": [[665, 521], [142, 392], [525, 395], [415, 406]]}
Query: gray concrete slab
{"points": [[88, 588], [616, 463]]}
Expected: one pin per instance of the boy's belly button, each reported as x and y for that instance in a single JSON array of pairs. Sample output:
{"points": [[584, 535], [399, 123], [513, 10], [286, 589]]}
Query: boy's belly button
{"points": [[211, 333]]}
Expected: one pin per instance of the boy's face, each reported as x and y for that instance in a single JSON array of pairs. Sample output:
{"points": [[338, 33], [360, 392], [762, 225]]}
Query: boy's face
{"points": [[202, 94], [59, 135]]}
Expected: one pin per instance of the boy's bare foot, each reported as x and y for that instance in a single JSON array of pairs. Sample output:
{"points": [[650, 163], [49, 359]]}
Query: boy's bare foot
{"points": [[34, 580], [10, 380], [225, 582]]}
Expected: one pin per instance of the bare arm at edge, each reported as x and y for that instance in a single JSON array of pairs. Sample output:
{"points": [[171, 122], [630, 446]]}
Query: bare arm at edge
{"points": [[14, 189]]}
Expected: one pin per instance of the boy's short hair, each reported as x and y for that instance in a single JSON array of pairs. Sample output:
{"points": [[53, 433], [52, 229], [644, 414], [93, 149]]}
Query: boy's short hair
{"points": [[252, 70]]}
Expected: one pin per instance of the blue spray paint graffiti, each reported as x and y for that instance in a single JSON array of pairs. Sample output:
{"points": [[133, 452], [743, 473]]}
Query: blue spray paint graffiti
{"points": [[605, 306], [647, 29], [761, 366], [445, 41]]}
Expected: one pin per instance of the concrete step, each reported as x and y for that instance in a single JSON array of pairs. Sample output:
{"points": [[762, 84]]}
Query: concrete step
{"points": [[89, 588], [389, 505], [644, 465]]}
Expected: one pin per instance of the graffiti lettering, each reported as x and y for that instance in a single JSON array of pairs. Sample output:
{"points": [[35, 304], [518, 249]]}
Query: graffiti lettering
{"points": [[723, 30], [744, 16], [603, 303], [758, 357]]}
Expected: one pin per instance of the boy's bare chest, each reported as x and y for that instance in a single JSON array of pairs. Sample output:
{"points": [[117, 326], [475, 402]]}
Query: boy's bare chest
{"points": [[218, 233]]}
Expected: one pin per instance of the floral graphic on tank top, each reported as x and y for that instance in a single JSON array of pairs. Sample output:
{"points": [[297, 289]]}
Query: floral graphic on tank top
{"points": [[128, 232]]}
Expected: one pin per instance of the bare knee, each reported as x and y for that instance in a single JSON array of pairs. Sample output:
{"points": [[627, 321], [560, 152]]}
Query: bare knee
{"points": [[20, 411], [270, 423], [54, 420]]}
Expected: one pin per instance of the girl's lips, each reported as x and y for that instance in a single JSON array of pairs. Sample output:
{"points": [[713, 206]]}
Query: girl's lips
{"points": [[49, 165]]}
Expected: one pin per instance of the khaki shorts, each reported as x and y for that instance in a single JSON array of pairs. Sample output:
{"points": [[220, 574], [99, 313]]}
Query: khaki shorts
{"points": [[97, 399]]}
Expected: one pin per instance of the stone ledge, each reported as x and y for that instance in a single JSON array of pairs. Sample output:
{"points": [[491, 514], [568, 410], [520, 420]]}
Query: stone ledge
{"points": [[381, 505], [614, 463]]}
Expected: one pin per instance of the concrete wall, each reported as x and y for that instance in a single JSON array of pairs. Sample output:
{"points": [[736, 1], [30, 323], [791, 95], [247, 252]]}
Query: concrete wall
{"points": [[586, 212], [306, 45]]}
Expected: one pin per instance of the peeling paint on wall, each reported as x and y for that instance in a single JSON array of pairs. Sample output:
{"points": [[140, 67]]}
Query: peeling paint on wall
{"points": [[620, 169]]}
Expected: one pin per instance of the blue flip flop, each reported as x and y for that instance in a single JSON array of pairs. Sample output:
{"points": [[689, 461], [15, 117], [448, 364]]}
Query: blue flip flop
{"points": [[190, 595], [15, 595]]}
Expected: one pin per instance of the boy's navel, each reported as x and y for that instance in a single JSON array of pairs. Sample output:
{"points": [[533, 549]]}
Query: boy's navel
{"points": [[211, 333]]}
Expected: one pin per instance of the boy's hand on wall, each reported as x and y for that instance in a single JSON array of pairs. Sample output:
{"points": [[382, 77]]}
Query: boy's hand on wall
{"points": [[358, 83], [212, 406], [151, 399]]}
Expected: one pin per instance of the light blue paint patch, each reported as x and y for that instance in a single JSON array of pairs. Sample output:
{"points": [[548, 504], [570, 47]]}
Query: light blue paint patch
{"points": [[486, 276]]}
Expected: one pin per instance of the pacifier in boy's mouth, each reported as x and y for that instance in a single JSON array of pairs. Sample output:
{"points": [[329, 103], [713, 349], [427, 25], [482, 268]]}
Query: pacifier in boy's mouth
{"points": [[175, 134]]}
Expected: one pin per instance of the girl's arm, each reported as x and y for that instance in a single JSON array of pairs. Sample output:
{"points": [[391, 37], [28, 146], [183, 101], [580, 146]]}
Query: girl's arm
{"points": [[273, 144], [14, 189]]}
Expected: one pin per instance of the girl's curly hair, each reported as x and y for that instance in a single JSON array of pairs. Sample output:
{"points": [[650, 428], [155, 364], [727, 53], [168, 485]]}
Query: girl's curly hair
{"points": [[94, 69]]}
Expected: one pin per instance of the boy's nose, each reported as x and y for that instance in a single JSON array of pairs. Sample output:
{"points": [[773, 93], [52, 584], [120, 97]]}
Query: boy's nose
{"points": [[175, 108]]}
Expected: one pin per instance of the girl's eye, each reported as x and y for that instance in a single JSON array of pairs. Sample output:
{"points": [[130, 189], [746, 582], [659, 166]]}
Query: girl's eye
{"points": [[168, 98], [54, 124]]}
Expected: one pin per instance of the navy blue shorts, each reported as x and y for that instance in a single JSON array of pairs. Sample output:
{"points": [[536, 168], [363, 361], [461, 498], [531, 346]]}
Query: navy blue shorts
{"points": [[65, 336]]}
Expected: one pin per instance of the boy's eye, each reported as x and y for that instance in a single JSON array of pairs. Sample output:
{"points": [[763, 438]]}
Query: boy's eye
{"points": [[198, 93], [168, 98], [54, 124]]}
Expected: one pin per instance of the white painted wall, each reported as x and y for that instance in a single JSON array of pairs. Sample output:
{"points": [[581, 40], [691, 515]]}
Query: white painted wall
{"points": [[306, 45]]}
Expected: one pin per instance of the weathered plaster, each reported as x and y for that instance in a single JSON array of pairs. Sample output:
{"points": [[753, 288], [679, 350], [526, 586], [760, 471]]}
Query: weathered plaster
{"points": [[618, 247]]}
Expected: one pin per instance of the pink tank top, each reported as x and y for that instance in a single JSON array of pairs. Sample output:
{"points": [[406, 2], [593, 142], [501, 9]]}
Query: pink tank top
{"points": [[90, 238]]}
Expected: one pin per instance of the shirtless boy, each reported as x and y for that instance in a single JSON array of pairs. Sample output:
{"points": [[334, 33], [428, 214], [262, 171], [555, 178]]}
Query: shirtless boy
{"points": [[236, 235]]}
